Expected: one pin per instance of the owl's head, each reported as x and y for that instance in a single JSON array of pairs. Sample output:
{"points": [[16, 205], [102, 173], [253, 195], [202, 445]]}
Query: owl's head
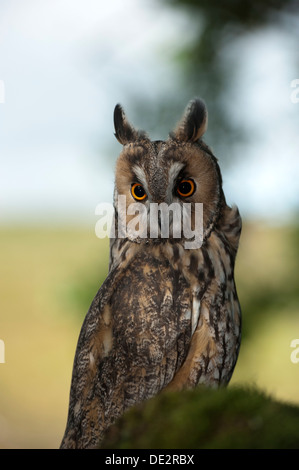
{"points": [[179, 172]]}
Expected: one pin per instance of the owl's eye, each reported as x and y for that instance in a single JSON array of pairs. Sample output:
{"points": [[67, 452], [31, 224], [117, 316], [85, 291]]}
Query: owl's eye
{"points": [[138, 192], [186, 188]]}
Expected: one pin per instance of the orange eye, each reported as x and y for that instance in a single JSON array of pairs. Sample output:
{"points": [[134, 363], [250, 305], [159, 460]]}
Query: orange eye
{"points": [[138, 192], [186, 188]]}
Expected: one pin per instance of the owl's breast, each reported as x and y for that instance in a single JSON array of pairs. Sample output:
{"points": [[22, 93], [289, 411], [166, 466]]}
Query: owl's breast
{"points": [[152, 313]]}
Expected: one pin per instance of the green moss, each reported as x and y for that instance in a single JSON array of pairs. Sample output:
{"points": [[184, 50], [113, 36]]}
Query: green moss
{"points": [[229, 418]]}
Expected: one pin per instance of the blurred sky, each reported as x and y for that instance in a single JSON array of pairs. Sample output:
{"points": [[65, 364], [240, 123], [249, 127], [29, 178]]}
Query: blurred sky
{"points": [[66, 63]]}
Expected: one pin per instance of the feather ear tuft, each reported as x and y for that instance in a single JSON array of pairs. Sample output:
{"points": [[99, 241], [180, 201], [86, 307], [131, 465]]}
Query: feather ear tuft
{"points": [[124, 131], [194, 122]]}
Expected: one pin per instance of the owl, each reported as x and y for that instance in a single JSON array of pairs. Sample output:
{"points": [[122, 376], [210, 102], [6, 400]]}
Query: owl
{"points": [[167, 317]]}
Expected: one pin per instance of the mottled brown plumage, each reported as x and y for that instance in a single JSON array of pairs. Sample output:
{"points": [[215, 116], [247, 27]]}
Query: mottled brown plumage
{"points": [[166, 317]]}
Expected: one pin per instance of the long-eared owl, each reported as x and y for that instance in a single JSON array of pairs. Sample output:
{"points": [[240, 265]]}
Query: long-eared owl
{"points": [[167, 317]]}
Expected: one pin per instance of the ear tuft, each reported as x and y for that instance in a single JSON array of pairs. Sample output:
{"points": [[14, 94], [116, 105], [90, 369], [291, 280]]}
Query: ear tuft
{"points": [[194, 122], [124, 132]]}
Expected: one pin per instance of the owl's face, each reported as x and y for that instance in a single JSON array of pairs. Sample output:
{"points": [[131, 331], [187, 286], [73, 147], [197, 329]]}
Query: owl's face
{"points": [[180, 170]]}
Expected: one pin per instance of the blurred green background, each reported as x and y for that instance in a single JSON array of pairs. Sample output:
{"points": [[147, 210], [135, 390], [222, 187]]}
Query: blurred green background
{"points": [[64, 66]]}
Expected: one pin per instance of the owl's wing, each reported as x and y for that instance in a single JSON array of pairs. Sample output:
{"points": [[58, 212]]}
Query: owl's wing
{"points": [[215, 344], [132, 342], [94, 327]]}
